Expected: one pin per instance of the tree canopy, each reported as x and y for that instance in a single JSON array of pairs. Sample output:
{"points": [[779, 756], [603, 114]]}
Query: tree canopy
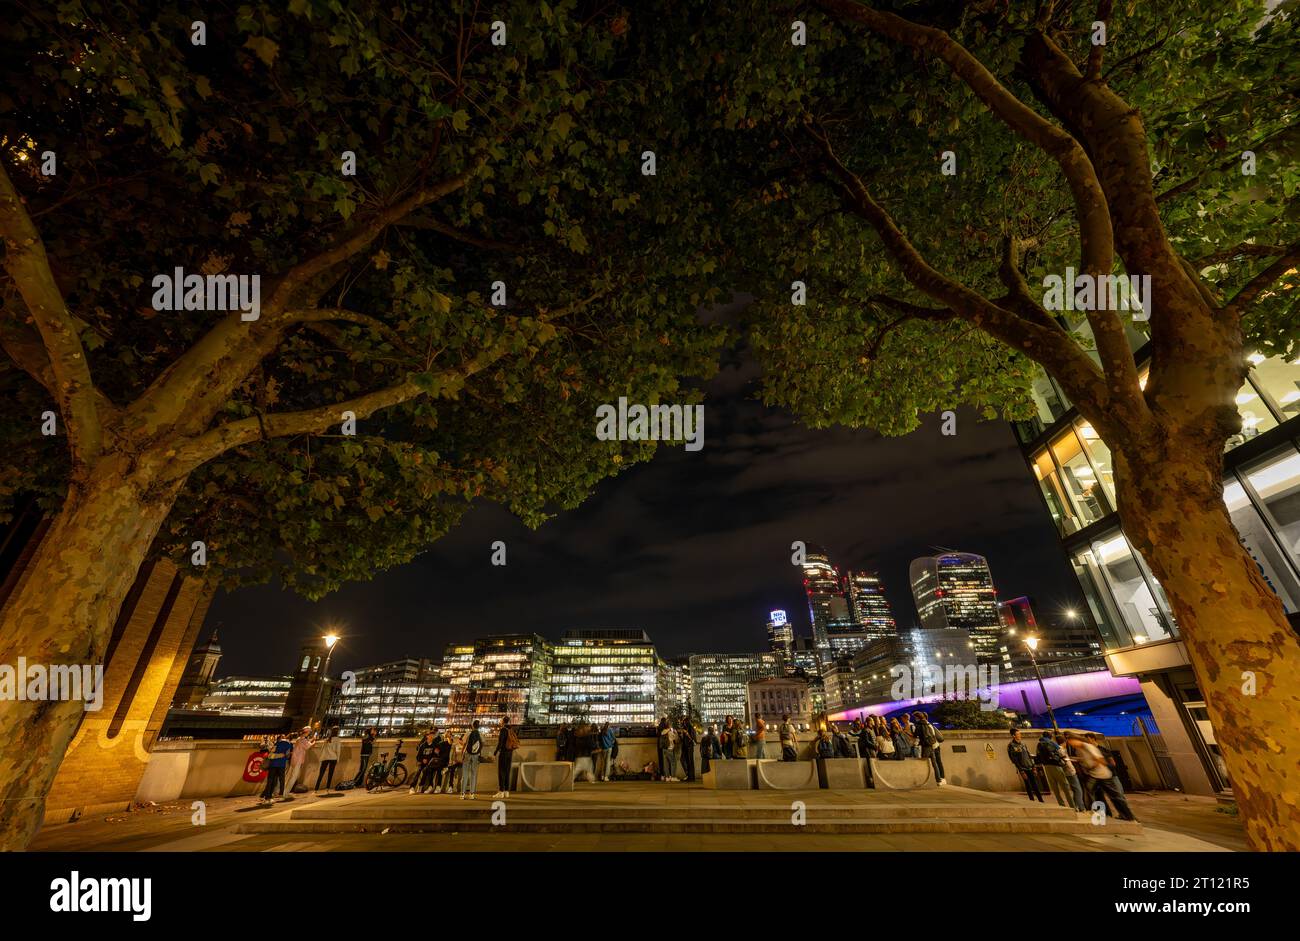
{"points": [[227, 158]]}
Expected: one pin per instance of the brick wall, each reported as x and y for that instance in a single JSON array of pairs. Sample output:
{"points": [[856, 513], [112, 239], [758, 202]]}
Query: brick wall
{"points": [[147, 654]]}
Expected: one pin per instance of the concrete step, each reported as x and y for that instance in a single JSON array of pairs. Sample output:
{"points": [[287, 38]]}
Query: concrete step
{"points": [[520, 823], [432, 809]]}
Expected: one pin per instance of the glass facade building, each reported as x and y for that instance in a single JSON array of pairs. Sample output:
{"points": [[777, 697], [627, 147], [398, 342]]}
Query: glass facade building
{"points": [[868, 605], [720, 681], [955, 590], [605, 676], [1125, 603]]}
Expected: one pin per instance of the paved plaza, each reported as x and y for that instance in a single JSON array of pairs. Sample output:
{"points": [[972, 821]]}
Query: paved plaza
{"points": [[646, 816]]}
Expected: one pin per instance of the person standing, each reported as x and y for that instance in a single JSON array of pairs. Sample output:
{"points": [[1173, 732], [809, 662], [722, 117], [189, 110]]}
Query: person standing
{"points": [[367, 749], [902, 740], [457, 766], [473, 752], [1071, 774], [866, 741], [276, 762], [1053, 764], [739, 741], [668, 746], [687, 738], [507, 742], [329, 758], [1024, 764], [728, 729], [441, 762], [789, 739], [562, 743], [760, 738], [659, 746], [599, 753], [930, 738], [1100, 781], [299, 758]]}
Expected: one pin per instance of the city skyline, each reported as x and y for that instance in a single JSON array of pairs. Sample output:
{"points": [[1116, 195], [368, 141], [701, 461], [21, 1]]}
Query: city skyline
{"points": [[834, 472]]}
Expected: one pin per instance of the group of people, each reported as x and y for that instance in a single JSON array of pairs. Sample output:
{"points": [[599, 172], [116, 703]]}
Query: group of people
{"points": [[284, 756], [1079, 769], [447, 762], [583, 742]]}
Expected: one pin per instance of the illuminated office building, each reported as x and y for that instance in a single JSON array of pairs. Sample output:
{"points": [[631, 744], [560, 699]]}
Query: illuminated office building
{"points": [[674, 685], [828, 610], [780, 639], [874, 678], [457, 665], [1076, 478], [955, 590], [404, 697], [868, 605], [248, 695], [606, 676], [720, 681], [510, 675]]}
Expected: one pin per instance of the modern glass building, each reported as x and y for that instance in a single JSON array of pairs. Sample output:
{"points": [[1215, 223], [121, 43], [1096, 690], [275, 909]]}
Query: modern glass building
{"points": [[828, 609], [780, 639], [720, 681], [509, 675], [868, 605], [1138, 632], [605, 676], [955, 590], [248, 695]]}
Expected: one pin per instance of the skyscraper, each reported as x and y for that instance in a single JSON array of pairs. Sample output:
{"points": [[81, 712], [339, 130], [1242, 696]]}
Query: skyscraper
{"points": [[605, 676], [780, 639], [828, 610], [868, 605], [956, 590], [721, 681]]}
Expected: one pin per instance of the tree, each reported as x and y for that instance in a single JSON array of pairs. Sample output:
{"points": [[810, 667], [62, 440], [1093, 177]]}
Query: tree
{"points": [[968, 714], [1122, 158], [445, 297]]}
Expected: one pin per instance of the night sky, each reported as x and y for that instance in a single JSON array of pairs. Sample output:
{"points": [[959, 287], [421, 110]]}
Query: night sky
{"points": [[693, 548]]}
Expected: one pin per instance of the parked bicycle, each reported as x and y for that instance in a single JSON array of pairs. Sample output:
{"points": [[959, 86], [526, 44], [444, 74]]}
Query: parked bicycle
{"points": [[385, 773]]}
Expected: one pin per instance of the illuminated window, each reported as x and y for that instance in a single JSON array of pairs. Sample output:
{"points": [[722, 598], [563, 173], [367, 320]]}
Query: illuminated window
{"points": [[1128, 604], [1275, 481], [1261, 545], [1080, 478]]}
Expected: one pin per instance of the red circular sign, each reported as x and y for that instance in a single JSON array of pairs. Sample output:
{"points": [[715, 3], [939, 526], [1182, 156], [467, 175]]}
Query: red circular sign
{"points": [[254, 770]]}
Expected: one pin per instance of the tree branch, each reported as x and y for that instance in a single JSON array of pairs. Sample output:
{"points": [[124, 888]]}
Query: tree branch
{"points": [[1097, 52], [69, 372], [1247, 296], [1050, 347], [460, 235]]}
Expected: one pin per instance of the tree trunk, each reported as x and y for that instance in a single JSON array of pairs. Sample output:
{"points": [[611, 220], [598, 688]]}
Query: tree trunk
{"points": [[1243, 650], [62, 613]]}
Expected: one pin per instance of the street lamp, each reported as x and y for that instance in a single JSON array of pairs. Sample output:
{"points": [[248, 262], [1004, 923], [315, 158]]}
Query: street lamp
{"points": [[1032, 644], [330, 640]]}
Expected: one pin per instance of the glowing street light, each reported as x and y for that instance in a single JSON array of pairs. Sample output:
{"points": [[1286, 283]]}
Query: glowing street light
{"points": [[1032, 643]]}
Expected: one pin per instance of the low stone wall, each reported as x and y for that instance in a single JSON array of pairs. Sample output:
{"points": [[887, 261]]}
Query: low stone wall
{"points": [[184, 770]]}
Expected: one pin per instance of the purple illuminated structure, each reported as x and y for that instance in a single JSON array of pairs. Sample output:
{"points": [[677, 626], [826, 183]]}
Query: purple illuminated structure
{"points": [[1023, 695]]}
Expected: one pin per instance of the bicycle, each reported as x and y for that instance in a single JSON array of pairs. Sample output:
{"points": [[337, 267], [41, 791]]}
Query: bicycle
{"points": [[385, 773]]}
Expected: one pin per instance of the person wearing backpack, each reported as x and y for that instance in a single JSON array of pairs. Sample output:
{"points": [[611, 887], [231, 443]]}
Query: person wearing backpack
{"points": [[789, 739], [507, 742], [739, 742], [929, 738], [823, 746], [687, 738], [473, 752], [710, 748], [1053, 764]]}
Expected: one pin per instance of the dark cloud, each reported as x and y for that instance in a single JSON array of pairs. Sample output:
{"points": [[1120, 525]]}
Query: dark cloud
{"points": [[692, 547]]}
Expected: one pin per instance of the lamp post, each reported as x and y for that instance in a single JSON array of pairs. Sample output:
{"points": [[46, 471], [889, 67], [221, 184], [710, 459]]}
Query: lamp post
{"points": [[1032, 644], [330, 640]]}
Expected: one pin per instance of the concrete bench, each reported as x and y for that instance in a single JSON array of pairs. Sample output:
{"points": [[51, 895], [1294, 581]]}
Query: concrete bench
{"points": [[732, 774], [545, 776], [846, 773], [905, 775], [787, 775]]}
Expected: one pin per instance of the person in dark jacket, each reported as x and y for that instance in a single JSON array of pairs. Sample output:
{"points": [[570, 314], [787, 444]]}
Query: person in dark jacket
{"points": [[686, 735], [1023, 760], [562, 742], [441, 761], [710, 748], [473, 754], [367, 749], [507, 742], [841, 743], [423, 757], [929, 738], [276, 762]]}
